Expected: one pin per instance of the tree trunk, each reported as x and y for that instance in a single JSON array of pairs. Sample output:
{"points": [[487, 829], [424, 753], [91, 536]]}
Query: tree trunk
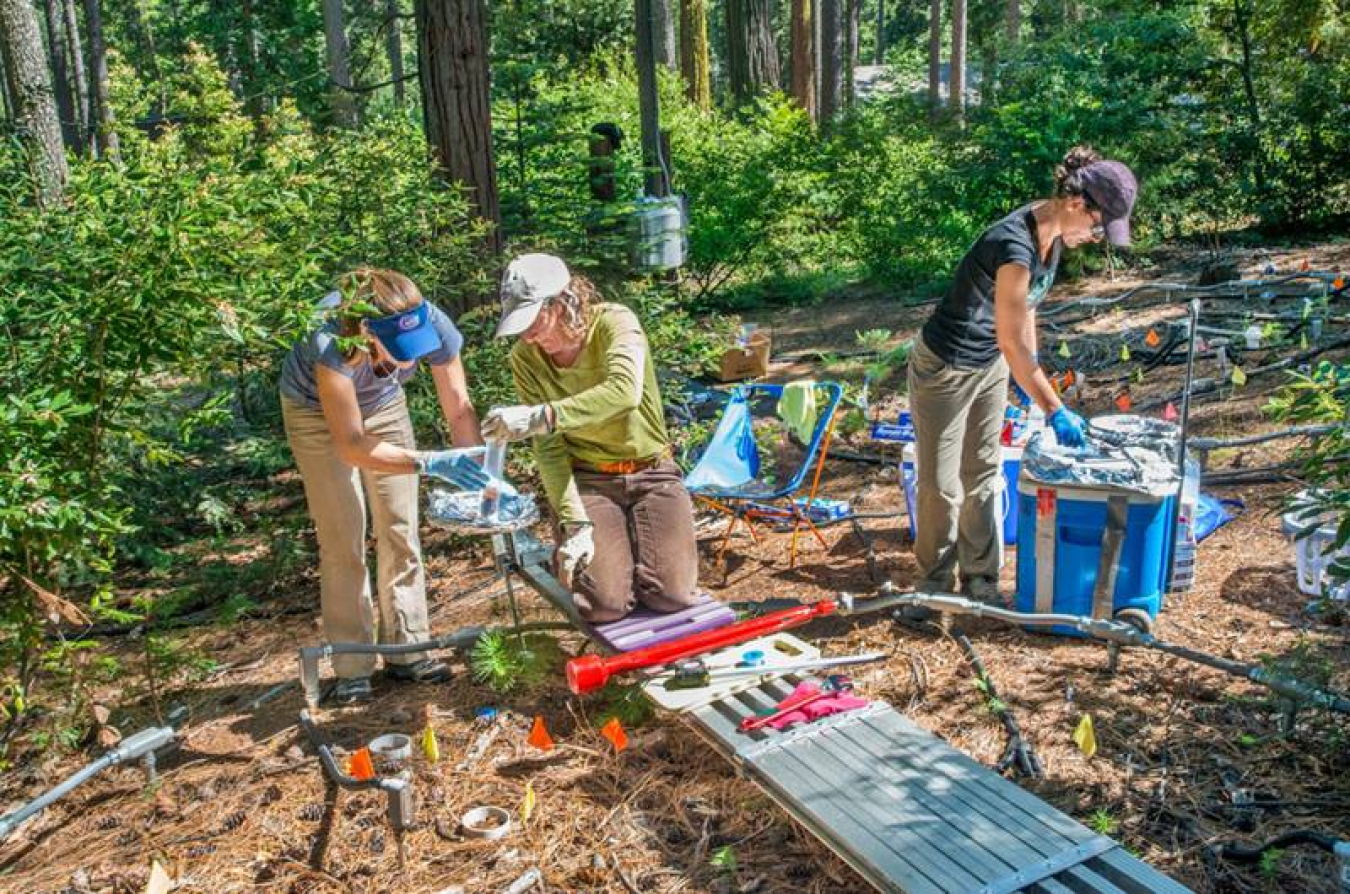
{"points": [[694, 62], [957, 93], [256, 102], [146, 54], [102, 113], [30, 89], [1242, 14], [989, 71], [655, 166], [852, 12], [1013, 22], [339, 70], [663, 27], [803, 57], [6, 104], [831, 59], [879, 52], [752, 57], [82, 116], [56, 47], [393, 46], [935, 54], [452, 50]]}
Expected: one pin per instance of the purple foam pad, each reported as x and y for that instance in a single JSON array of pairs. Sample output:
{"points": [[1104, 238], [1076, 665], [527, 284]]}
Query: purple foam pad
{"points": [[644, 627]]}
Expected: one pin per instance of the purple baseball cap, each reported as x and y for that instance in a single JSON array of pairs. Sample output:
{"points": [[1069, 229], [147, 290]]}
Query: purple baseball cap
{"points": [[406, 335], [1112, 188]]}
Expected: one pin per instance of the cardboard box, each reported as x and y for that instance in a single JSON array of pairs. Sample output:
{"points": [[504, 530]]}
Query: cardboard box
{"points": [[749, 362]]}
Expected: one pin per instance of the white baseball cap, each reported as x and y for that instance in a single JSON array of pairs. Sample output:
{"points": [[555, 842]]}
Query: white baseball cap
{"points": [[528, 283]]}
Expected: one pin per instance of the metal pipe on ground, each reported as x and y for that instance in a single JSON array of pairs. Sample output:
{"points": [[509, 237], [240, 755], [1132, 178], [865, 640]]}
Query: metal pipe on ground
{"points": [[1118, 633]]}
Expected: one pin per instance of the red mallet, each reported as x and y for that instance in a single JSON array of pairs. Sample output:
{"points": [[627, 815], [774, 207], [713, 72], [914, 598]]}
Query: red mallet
{"points": [[590, 672]]}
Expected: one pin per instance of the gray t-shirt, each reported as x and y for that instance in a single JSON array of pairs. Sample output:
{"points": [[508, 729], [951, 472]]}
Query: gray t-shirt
{"points": [[961, 329], [299, 383]]}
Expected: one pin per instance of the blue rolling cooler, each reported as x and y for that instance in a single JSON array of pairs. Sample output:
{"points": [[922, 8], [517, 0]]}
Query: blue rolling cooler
{"points": [[1070, 537]]}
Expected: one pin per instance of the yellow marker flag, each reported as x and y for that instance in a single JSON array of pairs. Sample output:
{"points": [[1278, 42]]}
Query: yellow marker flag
{"points": [[1139, 374], [1239, 377], [1124, 353], [1084, 737], [527, 805], [1303, 342], [1064, 349], [430, 747]]}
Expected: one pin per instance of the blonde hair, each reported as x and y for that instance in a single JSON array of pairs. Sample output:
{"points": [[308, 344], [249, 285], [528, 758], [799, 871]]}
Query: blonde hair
{"points": [[578, 303], [387, 291]]}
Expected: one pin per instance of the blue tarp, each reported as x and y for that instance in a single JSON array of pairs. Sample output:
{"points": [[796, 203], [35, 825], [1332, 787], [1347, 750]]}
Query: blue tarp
{"points": [[731, 457]]}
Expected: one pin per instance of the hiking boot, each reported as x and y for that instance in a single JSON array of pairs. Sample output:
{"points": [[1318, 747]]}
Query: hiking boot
{"points": [[981, 589], [349, 691], [428, 670]]}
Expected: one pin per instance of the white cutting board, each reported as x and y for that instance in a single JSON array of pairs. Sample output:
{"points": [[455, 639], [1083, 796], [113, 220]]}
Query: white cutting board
{"points": [[780, 649]]}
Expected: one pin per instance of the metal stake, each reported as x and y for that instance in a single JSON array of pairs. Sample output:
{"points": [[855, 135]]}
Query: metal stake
{"points": [[1185, 436]]}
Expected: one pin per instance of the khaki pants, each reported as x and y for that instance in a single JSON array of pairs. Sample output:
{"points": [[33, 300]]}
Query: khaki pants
{"points": [[958, 416], [337, 495], [645, 550]]}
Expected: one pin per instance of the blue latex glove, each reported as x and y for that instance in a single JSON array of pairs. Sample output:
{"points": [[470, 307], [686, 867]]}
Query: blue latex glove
{"points": [[1020, 397], [459, 467], [1068, 427]]}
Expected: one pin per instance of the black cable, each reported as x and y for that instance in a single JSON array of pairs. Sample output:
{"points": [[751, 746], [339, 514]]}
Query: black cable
{"points": [[1237, 853], [1018, 755]]}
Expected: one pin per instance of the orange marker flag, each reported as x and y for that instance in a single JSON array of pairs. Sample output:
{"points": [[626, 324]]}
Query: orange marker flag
{"points": [[1338, 283], [359, 765], [1123, 403], [539, 736], [613, 731], [1305, 266], [1153, 339], [1170, 413]]}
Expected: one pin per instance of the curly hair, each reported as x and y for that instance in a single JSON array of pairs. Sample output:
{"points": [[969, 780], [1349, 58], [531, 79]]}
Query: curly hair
{"points": [[1067, 181], [578, 303], [387, 291]]}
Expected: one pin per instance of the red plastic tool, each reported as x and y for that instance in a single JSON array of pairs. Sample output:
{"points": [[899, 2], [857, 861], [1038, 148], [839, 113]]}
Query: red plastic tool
{"points": [[830, 689], [590, 672]]}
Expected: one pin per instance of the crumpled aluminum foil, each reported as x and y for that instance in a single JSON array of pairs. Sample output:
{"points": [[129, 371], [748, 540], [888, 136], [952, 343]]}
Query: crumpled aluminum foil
{"points": [[460, 512], [1123, 453]]}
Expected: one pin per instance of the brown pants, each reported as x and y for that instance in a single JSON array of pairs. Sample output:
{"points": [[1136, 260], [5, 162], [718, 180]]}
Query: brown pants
{"points": [[644, 543], [338, 495], [958, 414]]}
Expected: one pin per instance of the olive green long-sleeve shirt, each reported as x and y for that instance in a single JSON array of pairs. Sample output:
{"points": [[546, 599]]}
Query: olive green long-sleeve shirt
{"points": [[606, 406]]}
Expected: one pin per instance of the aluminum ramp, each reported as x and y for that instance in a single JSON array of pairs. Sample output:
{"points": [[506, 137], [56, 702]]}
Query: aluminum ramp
{"points": [[909, 813]]}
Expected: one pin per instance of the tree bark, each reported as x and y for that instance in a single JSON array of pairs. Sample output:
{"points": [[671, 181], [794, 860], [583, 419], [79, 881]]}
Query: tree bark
{"points": [[879, 52], [6, 104], [56, 47], [1013, 22], [656, 183], [30, 89], [663, 26], [339, 68], [852, 12], [250, 82], [101, 112], [452, 49], [831, 59], [393, 46], [803, 57], [752, 57], [957, 93], [694, 62], [82, 116], [935, 54]]}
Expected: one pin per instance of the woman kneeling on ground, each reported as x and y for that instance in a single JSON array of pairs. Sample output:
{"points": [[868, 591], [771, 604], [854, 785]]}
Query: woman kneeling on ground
{"points": [[347, 424], [958, 372], [626, 522]]}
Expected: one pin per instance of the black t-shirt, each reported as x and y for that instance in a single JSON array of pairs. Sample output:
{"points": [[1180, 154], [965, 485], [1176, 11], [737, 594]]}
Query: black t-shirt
{"points": [[961, 329]]}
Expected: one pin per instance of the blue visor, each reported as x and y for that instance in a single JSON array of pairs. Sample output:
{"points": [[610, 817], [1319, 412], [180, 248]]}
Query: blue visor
{"points": [[407, 335]]}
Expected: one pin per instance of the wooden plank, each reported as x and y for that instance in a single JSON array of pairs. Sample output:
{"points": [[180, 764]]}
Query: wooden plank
{"points": [[906, 807], [975, 824], [924, 750], [1134, 875], [805, 794]]}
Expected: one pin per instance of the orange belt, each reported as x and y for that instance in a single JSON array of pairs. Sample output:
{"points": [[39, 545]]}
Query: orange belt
{"points": [[620, 467]]}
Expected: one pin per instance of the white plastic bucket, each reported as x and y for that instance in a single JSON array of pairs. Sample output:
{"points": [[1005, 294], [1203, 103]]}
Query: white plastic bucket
{"points": [[1311, 558]]}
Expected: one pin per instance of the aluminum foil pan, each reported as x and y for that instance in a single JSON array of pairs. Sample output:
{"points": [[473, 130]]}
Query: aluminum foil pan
{"points": [[1154, 435], [459, 511]]}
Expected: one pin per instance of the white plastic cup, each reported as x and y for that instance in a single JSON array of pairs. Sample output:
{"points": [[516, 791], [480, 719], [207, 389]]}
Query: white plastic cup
{"points": [[493, 461]]}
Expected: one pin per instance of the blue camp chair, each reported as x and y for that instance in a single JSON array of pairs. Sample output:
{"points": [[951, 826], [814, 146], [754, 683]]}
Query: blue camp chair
{"points": [[727, 476]]}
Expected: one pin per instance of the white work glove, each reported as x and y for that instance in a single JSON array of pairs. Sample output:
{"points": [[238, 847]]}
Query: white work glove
{"points": [[516, 423], [576, 551]]}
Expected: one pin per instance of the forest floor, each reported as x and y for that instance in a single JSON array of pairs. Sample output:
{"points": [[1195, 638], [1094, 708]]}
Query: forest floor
{"points": [[242, 806]]}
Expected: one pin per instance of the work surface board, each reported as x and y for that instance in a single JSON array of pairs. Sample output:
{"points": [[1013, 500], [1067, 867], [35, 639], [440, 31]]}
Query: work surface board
{"points": [[779, 649]]}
